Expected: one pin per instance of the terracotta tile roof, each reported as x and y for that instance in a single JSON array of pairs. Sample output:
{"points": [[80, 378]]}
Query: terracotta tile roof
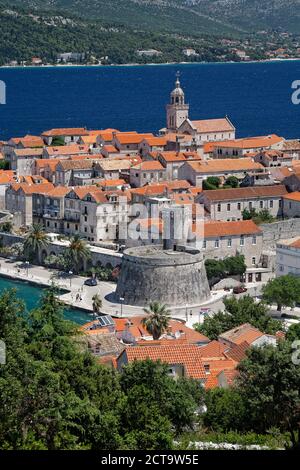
{"points": [[133, 159], [212, 380], [42, 188], [110, 149], [209, 147], [112, 183], [213, 125], [182, 198], [96, 132], [156, 141], [32, 179], [59, 191], [149, 190], [177, 137], [170, 156], [178, 184], [183, 354], [82, 191], [107, 135], [75, 164], [226, 165], [46, 162], [27, 152], [124, 139], [65, 132], [252, 142], [6, 176], [245, 193], [242, 333], [215, 368], [89, 139], [28, 141], [215, 228], [153, 165], [114, 165], [213, 350], [88, 156], [238, 351], [195, 190], [295, 244], [295, 196], [176, 328], [230, 375], [67, 150], [291, 145]]}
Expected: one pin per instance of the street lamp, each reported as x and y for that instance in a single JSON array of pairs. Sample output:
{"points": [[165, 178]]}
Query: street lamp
{"points": [[70, 274], [186, 312], [27, 267], [122, 300]]}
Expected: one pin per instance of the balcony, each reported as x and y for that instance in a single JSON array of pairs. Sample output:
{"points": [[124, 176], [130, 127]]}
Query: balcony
{"points": [[71, 217]]}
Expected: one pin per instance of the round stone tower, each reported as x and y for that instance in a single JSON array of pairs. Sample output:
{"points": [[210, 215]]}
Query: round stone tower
{"points": [[153, 273]]}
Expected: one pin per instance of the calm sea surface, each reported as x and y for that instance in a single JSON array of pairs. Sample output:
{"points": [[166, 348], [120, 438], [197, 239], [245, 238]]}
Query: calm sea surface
{"points": [[256, 96], [31, 295]]}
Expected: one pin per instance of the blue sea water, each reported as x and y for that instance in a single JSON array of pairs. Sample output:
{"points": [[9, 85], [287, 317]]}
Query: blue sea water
{"points": [[256, 97], [32, 294]]}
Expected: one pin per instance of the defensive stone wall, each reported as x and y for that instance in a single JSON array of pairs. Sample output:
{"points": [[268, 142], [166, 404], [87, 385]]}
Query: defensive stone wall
{"points": [[152, 274]]}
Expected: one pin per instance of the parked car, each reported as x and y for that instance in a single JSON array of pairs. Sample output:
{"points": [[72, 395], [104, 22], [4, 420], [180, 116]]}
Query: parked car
{"points": [[239, 290], [91, 282]]}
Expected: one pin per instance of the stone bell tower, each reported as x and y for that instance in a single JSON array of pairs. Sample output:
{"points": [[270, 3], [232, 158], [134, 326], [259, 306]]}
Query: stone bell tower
{"points": [[177, 110]]}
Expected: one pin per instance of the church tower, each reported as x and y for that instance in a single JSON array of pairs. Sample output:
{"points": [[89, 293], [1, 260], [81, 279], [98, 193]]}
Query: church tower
{"points": [[177, 110]]}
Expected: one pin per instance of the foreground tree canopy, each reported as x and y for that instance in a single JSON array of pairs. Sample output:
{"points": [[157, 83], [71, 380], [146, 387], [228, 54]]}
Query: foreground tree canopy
{"points": [[239, 311], [55, 396], [284, 291]]}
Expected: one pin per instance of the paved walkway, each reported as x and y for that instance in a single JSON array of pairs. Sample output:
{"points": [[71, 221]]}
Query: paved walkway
{"points": [[80, 296]]}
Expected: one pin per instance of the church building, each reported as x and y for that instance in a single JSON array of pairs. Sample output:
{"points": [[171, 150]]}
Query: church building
{"points": [[202, 131]]}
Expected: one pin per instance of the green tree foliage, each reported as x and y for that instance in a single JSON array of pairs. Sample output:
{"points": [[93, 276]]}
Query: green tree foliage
{"points": [[283, 291], [157, 320], [4, 165], [6, 227], [151, 385], [35, 241], [261, 217], [77, 254], [293, 333], [232, 182], [226, 410], [219, 269], [248, 214], [57, 141], [237, 312], [211, 182], [54, 395], [269, 383]]}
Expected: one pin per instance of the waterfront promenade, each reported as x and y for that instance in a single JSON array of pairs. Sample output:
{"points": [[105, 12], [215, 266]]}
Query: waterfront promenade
{"points": [[80, 296]]}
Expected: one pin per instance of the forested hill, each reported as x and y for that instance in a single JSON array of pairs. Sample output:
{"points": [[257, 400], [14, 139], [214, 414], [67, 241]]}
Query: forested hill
{"points": [[193, 16], [24, 35]]}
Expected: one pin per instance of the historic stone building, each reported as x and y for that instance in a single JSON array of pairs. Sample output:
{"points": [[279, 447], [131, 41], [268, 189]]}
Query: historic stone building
{"points": [[172, 273]]}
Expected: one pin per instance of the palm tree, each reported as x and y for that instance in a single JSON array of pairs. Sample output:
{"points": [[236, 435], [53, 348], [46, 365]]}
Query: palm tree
{"points": [[35, 241], [97, 304], [78, 251], [157, 320]]}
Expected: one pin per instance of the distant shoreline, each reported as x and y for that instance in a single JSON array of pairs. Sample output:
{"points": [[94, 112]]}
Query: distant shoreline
{"points": [[270, 61]]}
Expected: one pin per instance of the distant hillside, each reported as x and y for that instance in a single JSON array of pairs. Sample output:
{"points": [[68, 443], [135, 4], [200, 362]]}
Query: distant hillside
{"points": [[186, 16], [24, 35]]}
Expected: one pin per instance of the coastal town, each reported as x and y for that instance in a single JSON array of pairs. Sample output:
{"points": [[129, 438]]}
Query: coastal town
{"points": [[111, 199]]}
